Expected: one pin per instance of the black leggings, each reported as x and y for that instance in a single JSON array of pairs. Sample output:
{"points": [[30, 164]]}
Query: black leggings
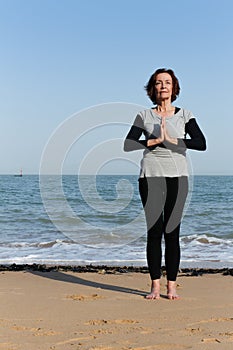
{"points": [[163, 199]]}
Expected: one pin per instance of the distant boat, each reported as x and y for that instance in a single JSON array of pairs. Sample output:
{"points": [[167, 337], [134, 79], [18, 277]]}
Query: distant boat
{"points": [[20, 174]]}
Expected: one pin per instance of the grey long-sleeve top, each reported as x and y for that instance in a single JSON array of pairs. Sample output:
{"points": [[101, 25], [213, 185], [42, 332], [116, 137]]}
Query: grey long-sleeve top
{"points": [[165, 159]]}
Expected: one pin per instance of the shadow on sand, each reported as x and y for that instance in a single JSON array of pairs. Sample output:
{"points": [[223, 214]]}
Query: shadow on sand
{"points": [[63, 277]]}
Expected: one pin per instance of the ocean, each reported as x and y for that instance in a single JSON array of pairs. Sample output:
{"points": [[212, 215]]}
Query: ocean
{"points": [[100, 221]]}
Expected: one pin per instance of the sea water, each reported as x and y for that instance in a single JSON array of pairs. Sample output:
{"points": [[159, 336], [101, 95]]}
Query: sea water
{"points": [[100, 220]]}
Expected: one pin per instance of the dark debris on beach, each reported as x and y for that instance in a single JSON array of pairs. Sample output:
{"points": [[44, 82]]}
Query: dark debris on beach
{"points": [[105, 269]]}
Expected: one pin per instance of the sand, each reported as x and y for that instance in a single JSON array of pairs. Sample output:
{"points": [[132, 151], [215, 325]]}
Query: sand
{"points": [[71, 311]]}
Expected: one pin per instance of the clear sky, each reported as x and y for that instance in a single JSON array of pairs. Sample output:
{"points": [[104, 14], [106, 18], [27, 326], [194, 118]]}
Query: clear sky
{"points": [[59, 57]]}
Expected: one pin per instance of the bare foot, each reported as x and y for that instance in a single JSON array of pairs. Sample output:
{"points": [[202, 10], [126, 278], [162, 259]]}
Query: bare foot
{"points": [[171, 290], [155, 290]]}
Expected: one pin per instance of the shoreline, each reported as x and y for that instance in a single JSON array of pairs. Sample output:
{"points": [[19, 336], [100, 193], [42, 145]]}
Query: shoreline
{"points": [[108, 269]]}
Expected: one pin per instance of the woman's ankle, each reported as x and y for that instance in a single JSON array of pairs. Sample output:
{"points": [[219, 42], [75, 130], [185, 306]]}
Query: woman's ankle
{"points": [[171, 290], [155, 290]]}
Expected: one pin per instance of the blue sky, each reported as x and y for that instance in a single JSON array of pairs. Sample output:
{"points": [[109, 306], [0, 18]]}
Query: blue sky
{"points": [[59, 57]]}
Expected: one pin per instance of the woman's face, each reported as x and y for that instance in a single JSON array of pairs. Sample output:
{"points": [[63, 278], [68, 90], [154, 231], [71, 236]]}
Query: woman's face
{"points": [[163, 86]]}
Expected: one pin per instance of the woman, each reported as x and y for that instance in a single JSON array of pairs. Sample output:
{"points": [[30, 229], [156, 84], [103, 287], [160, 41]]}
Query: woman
{"points": [[163, 181]]}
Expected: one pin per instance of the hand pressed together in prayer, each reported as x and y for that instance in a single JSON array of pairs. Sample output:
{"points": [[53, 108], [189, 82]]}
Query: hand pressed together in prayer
{"points": [[164, 136]]}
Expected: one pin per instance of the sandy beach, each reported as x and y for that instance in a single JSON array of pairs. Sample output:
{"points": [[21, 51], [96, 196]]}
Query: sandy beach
{"points": [[63, 310]]}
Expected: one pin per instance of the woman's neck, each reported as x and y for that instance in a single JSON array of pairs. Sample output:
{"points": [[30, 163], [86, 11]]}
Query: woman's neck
{"points": [[165, 110], [165, 107]]}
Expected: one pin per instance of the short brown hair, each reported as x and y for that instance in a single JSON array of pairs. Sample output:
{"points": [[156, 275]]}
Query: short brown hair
{"points": [[150, 86]]}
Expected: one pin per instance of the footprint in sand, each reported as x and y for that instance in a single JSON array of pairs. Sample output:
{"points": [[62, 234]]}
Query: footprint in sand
{"points": [[219, 319], [227, 334], [103, 322], [84, 297], [210, 340], [164, 347], [36, 331], [194, 330]]}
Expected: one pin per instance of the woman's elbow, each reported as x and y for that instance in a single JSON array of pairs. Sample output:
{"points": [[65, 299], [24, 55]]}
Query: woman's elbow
{"points": [[203, 145], [126, 146]]}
